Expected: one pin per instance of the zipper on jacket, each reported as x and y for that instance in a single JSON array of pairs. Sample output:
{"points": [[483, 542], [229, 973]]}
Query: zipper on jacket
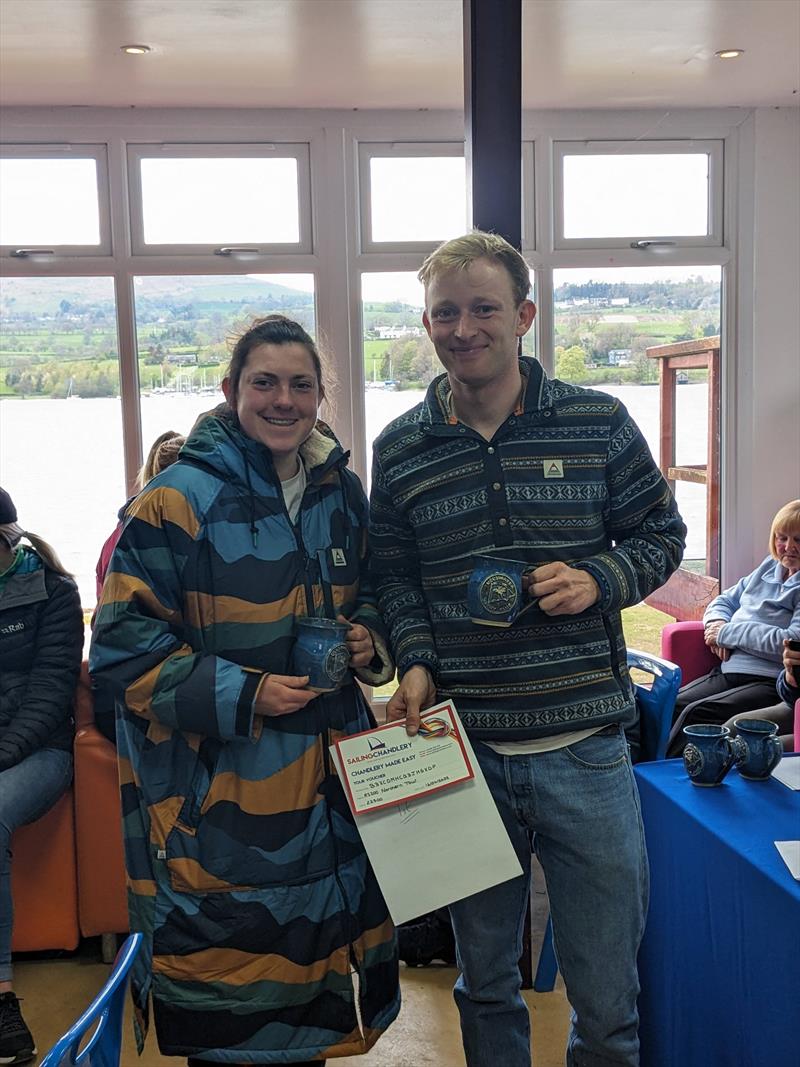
{"points": [[308, 584], [307, 561], [327, 591]]}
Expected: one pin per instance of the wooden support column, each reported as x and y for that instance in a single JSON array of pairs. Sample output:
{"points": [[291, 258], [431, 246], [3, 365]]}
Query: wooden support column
{"points": [[493, 115], [493, 151]]}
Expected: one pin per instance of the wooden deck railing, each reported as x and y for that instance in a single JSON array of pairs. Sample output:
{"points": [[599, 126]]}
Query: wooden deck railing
{"points": [[687, 593]]}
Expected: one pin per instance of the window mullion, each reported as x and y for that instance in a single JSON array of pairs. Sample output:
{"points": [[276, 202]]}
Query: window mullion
{"points": [[545, 325], [128, 376]]}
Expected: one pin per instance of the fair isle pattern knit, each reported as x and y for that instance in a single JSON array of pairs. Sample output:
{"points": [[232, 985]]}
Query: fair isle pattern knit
{"points": [[570, 478]]}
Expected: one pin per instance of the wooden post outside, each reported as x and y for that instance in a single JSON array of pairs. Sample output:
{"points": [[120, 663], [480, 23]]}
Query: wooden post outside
{"points": [[712, 485], [686, 593], [666, 396]]}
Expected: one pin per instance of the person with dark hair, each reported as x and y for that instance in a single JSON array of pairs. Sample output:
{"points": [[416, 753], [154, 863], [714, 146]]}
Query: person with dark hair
{"points": [[746, 627], [41, 640], [267, 939], [500, 459]]}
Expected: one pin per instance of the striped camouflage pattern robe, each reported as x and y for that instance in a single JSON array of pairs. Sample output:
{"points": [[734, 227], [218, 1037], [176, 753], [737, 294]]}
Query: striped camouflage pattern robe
{"points": [[567, 477], [245, 871]]}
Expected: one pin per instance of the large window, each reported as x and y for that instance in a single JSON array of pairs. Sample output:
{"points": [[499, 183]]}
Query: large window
{"points": [[412, 196], [399, 359], [611, 326], [183, 326], [53, 201], [618, 194], [236, 199], [218, 219]]}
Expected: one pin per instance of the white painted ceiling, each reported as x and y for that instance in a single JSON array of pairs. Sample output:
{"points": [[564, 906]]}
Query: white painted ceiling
{"points": [[392, 53]]}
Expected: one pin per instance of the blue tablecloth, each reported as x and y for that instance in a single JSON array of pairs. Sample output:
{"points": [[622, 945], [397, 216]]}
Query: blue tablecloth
{"points": [[720, 961]]}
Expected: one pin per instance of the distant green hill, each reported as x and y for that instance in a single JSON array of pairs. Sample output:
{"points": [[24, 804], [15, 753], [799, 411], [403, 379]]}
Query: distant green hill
{"points": [[44, 296]]}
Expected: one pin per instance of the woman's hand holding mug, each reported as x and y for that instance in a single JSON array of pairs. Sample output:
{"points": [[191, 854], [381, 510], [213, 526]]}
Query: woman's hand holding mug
{"points": [[281, 694]]}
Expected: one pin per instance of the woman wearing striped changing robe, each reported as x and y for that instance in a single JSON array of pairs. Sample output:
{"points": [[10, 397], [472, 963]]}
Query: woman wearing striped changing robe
{"points": [[267, 937]]}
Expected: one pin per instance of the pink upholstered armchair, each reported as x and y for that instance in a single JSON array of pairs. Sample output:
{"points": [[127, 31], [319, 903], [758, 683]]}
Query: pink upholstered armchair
{"points": [[682, 643]]}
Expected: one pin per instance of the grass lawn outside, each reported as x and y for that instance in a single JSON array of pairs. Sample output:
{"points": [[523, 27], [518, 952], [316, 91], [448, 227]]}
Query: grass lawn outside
{"points": [[373, 359]]}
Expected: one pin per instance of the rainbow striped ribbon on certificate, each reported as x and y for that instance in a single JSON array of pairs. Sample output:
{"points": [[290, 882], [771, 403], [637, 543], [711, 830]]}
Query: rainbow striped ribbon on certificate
{"points": [[435, 728]]}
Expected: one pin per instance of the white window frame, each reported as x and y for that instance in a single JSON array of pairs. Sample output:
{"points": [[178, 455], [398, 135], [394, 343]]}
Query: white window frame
{"points": [[300, 152], [530, 236], [369, 150], [337, 257], [712, 148], [97, 152]]}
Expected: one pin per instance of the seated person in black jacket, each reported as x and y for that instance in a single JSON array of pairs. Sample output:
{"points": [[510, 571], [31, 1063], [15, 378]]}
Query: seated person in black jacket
{"points": [[41, 640]]}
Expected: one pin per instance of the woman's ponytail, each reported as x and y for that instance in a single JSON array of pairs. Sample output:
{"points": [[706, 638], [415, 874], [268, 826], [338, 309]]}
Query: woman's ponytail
{"points": [[47, 554]]}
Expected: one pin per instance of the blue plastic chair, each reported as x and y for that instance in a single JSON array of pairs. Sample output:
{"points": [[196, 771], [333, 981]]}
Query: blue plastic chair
{"points": [[656, 706], [105, 1014]]}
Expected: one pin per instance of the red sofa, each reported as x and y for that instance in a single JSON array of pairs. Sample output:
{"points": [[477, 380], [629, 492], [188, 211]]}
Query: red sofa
{"points": [[682, 643], [68, 873], [44, 881], [102, 900]]}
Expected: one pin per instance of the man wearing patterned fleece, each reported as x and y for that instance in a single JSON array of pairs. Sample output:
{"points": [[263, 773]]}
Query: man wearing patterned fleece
{"points": [[498, 458]]}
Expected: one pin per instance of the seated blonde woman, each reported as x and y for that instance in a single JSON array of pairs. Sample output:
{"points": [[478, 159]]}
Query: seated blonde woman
{"points": [[746, 627]]}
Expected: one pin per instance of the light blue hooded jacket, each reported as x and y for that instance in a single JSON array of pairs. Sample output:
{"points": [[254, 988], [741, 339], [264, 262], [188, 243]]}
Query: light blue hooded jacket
{"points": [[759, 612]]}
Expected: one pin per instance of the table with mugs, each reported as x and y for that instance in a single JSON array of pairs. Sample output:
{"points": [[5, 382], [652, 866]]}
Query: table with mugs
{"points": [[720, 960]]}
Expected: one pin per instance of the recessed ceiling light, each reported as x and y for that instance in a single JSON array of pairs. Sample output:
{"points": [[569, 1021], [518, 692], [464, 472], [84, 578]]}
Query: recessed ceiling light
{"points": [[729, 53], [135, 49]]}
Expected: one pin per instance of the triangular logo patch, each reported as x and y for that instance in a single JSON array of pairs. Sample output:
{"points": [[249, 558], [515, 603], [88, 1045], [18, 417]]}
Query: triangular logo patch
{"points": [[553, 468]]}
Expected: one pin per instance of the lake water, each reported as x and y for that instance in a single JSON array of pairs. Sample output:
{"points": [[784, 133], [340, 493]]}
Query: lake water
{"points": [[61, 460]]}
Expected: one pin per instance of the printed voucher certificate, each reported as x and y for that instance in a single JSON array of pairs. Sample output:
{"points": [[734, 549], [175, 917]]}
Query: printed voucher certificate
{"points": [[455, 836], [385, 766]]}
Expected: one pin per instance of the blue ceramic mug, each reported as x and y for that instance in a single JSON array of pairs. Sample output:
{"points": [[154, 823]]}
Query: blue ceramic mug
{"points": [[494, 590], [320, 652], [709, 753], [756, 747]]}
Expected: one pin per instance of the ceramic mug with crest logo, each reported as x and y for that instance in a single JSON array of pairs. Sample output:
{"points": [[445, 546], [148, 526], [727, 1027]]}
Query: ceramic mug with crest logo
{"points": [[757, 748], [494, 590], [709, 753], [320, 652]]}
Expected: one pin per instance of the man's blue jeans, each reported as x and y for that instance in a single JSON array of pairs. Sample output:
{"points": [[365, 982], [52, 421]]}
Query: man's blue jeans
{"points": [[580, 808], [27, 791]]}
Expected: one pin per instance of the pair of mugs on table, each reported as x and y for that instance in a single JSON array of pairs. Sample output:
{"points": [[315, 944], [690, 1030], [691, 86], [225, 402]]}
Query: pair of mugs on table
{"points": [[711, 751]]}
